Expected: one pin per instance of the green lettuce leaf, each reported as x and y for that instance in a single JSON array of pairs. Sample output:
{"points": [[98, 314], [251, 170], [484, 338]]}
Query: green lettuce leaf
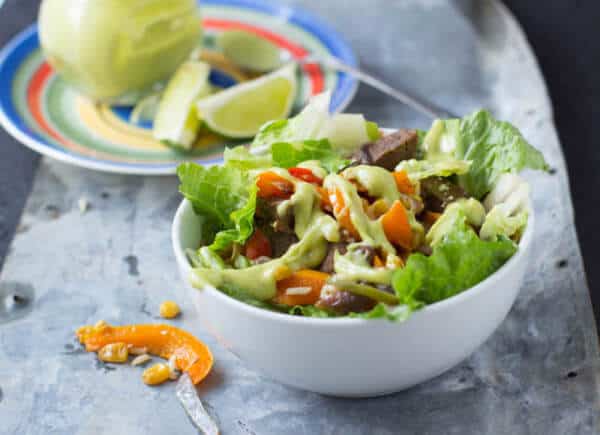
{"points": [[508, 205], [346, 132], [459, 262], [270, 133], [494, 147], [243, 223], [225, 199], [287, 155]]}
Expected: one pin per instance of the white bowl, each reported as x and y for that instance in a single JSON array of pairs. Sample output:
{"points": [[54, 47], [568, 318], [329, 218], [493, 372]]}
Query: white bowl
{"points": [[353, 357]]}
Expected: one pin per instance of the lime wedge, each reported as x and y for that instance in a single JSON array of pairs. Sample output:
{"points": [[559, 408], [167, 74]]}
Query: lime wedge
{"points": [[240, 111], [145, 109], [176, 123], [249, 50]]}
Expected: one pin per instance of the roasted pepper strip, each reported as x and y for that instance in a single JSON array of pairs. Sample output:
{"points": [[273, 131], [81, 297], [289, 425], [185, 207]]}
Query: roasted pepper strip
{"points": [[257, 245], [191, 355], [272, 185], [397, 226], [342, 213], [403, 183], [325, 202], [305, 174], [305, 278]]}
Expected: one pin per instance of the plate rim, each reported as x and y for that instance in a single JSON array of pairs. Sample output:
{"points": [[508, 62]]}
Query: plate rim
{"points": [[39, 145]]}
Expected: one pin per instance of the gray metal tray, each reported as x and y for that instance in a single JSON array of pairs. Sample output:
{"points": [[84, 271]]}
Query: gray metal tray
{"points": [[539, 373]]}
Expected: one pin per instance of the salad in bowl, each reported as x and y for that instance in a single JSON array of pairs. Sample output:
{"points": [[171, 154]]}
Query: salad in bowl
{"points": [[327, 216]]}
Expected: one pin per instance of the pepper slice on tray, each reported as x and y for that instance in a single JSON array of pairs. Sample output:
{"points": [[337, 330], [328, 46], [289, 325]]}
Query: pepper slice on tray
{"points": [[191, 355]]}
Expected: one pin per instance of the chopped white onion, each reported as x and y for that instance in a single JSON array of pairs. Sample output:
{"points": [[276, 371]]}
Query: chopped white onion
{"points": [[298, 290]]}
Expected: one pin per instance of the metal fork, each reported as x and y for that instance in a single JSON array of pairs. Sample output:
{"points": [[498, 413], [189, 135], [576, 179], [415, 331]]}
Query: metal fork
{"points": [[417, 104]]}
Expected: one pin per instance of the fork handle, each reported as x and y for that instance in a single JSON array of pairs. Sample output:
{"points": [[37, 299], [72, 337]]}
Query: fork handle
{"points": [[419, 105]]}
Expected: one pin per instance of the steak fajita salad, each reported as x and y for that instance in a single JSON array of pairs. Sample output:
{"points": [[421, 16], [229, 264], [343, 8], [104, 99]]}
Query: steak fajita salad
{"points": [[326, 216]]}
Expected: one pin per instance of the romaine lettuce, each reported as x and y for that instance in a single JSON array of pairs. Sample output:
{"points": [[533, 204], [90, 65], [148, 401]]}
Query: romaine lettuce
{"points": [[494, 147], [508, 205], [458, 262], [224, 197], [345, 132], [287, 155]]}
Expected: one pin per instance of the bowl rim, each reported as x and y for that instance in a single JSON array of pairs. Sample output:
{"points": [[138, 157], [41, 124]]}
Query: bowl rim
{"points": [[487, 284]]}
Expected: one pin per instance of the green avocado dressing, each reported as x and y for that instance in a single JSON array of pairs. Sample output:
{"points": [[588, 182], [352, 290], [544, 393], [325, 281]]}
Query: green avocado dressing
{"points": [[379, 182], [306, 206], [315, 229], [370, 231], [468, 210], [260, 281], [353, 266]]}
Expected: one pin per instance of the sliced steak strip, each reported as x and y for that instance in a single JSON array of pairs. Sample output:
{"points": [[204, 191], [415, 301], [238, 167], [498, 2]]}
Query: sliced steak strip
{"points": [[343, 302], [327, 264], [438, 192], [389, 150], [281, 242]]}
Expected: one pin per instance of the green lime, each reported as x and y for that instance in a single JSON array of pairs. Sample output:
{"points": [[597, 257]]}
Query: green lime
{"points": [[176, 122], [240, 111], [249, 50]]}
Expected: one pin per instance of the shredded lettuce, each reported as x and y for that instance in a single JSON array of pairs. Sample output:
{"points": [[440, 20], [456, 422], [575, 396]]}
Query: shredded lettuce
{"points": [[494, 147], [346, 132], [460, 261], [225, 198], [287, 155], [508, 208]]}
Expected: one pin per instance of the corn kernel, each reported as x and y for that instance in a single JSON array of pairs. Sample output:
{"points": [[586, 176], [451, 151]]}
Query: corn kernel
{"points": [[157, 374], [114, 352], [100, 326], [282, 272], [378, 208], [169, 309]]}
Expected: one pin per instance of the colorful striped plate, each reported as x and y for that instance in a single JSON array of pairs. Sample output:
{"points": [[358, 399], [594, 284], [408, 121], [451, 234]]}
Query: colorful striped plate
{"points": [[44, 113]]}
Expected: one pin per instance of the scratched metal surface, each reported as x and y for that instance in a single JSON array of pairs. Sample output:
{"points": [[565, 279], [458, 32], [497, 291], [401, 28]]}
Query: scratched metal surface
{"points": [[539, 373]]}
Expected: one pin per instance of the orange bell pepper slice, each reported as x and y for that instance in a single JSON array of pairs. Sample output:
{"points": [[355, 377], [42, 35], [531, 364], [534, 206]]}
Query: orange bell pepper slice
{"points": [[342, 213], [271, 185], [397, 226], [378, 262], [403, 183], [257, 245], [302, 278], [325, 202], [191, 355]]}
